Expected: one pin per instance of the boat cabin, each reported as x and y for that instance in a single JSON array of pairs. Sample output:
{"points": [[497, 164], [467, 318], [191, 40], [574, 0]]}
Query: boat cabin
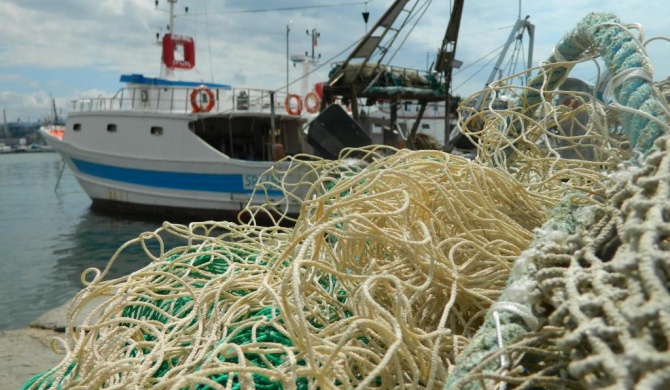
{"points": [[250, 137]]}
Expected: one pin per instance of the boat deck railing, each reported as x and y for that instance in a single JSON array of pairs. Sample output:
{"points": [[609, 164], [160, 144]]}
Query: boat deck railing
{"points": [[178, 100]]}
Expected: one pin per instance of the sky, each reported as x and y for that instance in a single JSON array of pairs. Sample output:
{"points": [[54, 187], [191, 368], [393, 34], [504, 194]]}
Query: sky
{"points": [[74, 49]]}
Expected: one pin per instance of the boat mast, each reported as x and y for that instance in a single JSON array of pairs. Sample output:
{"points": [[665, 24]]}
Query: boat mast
{"points": [[307, 61], [166, 72], [376, 43], [455, 138], [172, 16], [56, 120], [445, 64], [4, 117]]}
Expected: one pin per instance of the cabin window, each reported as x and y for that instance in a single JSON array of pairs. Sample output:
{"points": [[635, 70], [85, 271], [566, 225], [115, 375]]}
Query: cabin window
{"points": [[156, 130], [76, 127], [111, 128], [425, 126]]}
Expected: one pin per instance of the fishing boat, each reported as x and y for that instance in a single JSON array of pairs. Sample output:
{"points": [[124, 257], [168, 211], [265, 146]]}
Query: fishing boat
{"points": [[54, 126], [162, 144]]}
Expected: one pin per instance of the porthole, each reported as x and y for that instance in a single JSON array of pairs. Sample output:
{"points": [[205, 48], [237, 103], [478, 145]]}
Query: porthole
{"points": [[76, 127]]}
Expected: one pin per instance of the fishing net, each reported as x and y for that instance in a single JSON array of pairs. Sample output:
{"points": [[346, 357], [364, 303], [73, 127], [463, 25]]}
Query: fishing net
{"points": [[380, 282], [566, 319], [603, 293], [608, 284], [414, 269]]}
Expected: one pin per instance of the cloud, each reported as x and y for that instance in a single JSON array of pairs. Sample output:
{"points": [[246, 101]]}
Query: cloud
{"points": [[76, 34], [37, 105], [70, 46], [12, 78]]}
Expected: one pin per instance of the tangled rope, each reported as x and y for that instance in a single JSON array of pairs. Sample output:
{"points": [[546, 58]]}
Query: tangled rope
{"points": [[381, 282]]}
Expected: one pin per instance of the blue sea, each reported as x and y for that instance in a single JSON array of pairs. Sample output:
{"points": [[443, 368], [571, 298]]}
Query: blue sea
{"points": [[49, 235]]}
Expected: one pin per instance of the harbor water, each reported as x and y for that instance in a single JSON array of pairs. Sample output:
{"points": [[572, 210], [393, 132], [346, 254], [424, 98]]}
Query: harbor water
{"points": [[49, 235]]}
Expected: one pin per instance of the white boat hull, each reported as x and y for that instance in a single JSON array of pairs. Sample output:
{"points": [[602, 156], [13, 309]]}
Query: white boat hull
{"points": [[201, 181]]}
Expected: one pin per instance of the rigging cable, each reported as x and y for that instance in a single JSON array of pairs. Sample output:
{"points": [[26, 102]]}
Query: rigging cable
{"points": [[425, 8], [479, 59], [481, 68], [209, 43], [249, 11]]}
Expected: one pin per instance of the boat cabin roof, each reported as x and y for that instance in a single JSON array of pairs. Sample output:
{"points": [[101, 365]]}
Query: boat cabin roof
{"points": [[140, 79]]}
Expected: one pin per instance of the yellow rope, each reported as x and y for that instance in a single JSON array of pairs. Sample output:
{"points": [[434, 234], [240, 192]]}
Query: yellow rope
{"points": [[418, 245]]}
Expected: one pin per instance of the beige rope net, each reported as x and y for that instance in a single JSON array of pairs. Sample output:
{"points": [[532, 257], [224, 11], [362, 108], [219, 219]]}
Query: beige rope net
{"points": [[379, 283], [392, 264], [568, 140], [603, 293], [610, 292]]}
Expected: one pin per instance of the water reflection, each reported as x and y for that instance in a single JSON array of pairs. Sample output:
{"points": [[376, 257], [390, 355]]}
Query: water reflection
{"points": [[94, 242], [48, 237]]}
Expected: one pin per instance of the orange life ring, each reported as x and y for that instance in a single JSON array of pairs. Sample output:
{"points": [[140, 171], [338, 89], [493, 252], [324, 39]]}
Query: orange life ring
{"points": [[200, 102], [287, 104], [312, 102]]}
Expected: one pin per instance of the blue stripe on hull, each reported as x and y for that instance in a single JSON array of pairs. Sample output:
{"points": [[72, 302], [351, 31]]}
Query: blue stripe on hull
{"points": [[173, 180]]}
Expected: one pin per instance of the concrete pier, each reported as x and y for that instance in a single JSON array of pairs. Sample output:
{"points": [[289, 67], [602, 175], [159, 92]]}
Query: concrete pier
{"points": [[27, 352]]}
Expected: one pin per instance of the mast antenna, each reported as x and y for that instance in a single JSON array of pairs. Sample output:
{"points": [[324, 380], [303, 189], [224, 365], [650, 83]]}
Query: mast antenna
{"points": [[366, 16], [315, 38]]}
